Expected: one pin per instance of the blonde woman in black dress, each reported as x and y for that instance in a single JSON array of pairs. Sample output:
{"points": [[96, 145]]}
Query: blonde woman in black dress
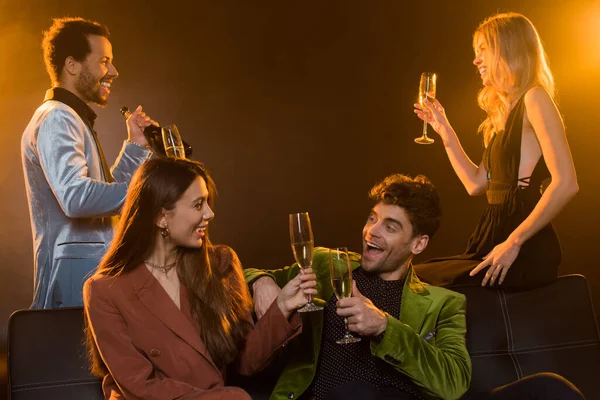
{"points": [[527, 171]]}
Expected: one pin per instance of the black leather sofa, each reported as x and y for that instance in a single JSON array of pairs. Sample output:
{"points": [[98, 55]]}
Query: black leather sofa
{"points": [[510, 335], [548, 329]]}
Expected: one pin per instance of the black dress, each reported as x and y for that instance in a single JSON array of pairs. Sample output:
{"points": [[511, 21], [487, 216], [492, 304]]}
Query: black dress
{"points": [[508, 205]]}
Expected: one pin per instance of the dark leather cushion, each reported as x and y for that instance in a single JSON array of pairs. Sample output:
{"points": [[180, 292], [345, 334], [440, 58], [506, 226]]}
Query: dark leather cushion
{"points": [[47, 357], [511, 334]]}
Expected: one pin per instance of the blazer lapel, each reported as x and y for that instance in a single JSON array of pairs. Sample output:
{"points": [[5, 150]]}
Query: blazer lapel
{"points": [[415, 302], [155, 298]]}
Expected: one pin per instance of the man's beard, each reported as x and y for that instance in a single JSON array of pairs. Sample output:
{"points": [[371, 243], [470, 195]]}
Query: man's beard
{"points": [[86, 86], [390, 263]]}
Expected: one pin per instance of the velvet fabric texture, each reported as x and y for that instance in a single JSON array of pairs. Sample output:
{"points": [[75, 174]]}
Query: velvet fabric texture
{"points": [[426, 341]]}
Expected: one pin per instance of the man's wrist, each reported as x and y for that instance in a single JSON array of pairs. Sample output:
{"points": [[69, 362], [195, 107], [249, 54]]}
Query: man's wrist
{"points": [[379, 338], [253, 281], [382, 327], [261, 280], [145, 146]]}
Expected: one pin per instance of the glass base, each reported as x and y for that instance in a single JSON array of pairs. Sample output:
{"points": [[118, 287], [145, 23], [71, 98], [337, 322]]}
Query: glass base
{"points": [[424, 140], [310, 307], [347, 339]]}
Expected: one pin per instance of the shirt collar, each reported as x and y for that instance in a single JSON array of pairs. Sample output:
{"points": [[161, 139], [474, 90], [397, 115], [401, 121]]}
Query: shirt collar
{"points": [[381, 282], [70, 99]]}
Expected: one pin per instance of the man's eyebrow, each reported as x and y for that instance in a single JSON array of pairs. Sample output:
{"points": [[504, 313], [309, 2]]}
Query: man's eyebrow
{"points": [[394, 221]]}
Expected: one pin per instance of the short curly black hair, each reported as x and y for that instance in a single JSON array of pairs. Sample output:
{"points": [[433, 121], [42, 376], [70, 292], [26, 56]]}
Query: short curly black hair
{"points": [[417, 196], [68, 37]]}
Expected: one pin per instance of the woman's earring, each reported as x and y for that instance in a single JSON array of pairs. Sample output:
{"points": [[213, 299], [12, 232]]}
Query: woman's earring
{"points": [[164, 232]]}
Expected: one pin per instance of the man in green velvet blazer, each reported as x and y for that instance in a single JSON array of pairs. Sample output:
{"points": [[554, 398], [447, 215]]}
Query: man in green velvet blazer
{"points": [[420, 351]]}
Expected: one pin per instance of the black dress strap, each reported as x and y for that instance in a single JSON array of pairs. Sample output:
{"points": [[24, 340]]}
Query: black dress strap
{"points": [[526, 181]]}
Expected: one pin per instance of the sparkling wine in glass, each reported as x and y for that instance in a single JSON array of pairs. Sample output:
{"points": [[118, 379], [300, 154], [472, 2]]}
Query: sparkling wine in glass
{"points": [[172, 141], [301, 237], [341, 279], [427, 88]]}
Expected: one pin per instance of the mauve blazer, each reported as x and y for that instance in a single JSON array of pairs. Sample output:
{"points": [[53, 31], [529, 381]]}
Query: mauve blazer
{"points": [[153, 350]]}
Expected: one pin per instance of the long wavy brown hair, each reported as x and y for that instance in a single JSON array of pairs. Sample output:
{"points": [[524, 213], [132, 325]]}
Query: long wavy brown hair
{"points": [[519, 62], [219, 300]]}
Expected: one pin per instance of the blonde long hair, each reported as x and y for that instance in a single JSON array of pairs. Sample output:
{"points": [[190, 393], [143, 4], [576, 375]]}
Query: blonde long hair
{"points": [[518, 63]]}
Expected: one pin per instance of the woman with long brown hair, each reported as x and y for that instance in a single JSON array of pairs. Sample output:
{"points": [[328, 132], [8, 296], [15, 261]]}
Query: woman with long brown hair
{"points": [[527, 172], [168, 311]]}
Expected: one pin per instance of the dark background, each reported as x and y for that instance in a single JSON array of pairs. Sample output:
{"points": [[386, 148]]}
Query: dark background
{"points": [[299, 106]]}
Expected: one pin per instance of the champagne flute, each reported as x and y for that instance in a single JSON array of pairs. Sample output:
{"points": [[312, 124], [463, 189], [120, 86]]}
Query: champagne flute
{"points": [[172, 141], [341, 281], [301, 237], [427, 87]]}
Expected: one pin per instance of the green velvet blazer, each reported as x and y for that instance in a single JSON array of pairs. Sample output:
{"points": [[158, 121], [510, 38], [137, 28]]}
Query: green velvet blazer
{"points": [[426, 342]]}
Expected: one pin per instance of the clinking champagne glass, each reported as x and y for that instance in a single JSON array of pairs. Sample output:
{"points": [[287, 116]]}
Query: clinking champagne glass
{"points": [[301, 237], [427, 88], [172, 141], [341, 281]]}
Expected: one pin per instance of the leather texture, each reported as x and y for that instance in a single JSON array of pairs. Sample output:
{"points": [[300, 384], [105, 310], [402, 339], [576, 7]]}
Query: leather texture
{"points": [[509, 335]]}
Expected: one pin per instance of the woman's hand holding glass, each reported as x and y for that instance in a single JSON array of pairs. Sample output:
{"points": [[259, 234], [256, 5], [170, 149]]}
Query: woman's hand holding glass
{"points": [[265, 292], [435, 115], [297, 292], [301, 238]]}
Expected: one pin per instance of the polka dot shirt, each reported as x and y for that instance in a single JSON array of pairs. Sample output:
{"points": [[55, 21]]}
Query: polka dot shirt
{"points": [[341, 363]]}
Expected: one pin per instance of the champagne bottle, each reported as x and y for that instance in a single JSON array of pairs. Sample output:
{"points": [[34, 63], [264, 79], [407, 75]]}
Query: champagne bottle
{"points": [[153, 135]]}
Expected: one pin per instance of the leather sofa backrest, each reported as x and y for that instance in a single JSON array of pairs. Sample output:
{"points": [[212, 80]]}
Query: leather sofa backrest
{"points": [[547, 329], [47, 357], [509, 335]]}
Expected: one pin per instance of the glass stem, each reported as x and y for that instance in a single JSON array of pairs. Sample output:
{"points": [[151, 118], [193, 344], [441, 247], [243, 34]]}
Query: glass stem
{"points": [[346, 325], [424, 129], [308, 296]]}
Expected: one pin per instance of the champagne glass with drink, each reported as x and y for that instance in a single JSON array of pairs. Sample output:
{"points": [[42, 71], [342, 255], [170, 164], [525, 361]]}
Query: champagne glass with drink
{"points": [[427, 88], [301, 237], [341, 280], [172, 141], [153, 134]]}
